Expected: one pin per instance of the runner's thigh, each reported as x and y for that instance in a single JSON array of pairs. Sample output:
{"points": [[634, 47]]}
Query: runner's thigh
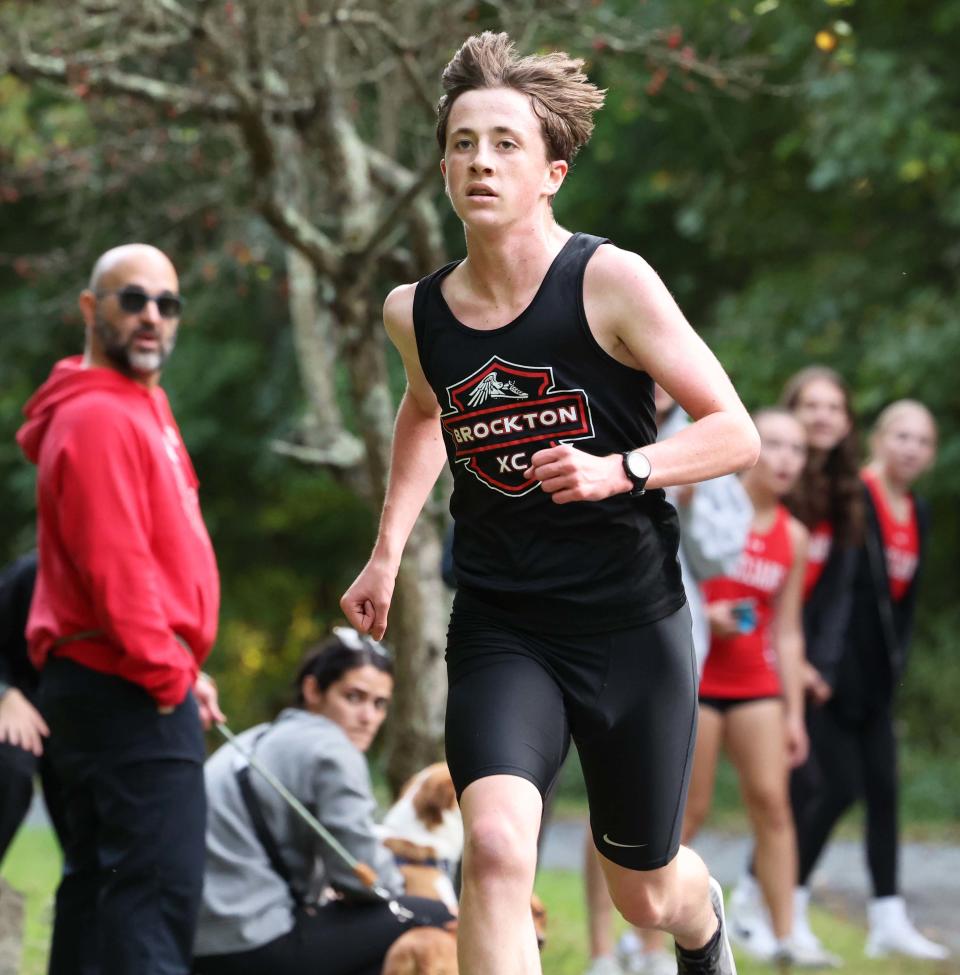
{"points": [[505, 709], [636, 742]]}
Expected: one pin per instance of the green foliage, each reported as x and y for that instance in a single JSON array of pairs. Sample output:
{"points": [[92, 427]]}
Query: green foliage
{"points": [[816, 226]]}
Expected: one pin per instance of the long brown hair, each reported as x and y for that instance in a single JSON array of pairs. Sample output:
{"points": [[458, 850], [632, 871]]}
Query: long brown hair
{"points": [[829, 488]]}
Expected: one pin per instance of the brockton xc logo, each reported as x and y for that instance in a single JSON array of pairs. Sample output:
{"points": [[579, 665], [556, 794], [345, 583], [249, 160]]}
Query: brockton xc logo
{"points": [[504, 413]]}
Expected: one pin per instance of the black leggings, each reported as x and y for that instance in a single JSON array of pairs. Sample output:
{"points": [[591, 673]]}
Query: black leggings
{"points": [[338, 939], [850, 760], [17, 770]]}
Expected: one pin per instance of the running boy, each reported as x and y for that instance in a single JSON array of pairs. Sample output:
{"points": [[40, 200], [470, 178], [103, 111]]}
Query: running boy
{"points": [[530, 368]]}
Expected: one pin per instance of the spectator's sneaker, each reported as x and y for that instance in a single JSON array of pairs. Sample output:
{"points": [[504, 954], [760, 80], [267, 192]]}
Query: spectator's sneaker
{"points": [[635, 959], [656, 963], [748, 921], [604, 965], [892, 932], [719, 961], [630, 954], [792, 954]]}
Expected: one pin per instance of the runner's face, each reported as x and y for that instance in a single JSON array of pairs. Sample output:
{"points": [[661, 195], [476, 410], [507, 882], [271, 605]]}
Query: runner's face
{"points": [[357, 702], [495, 163], [906, 446], [822, 409], [783, 452]]}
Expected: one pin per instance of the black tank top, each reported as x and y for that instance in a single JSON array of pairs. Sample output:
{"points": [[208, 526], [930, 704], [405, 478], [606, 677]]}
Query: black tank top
{"points": [[541, 380]]}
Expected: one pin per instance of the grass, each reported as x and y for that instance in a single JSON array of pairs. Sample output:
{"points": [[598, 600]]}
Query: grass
{"points": [[565, 951], [33, 864]]}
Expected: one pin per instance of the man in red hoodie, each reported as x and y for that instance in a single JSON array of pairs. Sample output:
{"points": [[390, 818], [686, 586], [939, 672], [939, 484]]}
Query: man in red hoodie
{"points": [[124, 612]]}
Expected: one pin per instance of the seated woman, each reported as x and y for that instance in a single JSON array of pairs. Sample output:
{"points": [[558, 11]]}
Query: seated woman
{"points": [[272, 910]]}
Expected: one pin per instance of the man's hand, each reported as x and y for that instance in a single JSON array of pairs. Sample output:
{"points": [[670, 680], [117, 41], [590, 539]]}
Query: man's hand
{"points": [[208, 700], [366, 604], [568, 474], [21, 724]]}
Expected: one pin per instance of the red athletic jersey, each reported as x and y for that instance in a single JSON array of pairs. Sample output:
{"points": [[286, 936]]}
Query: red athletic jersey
{"points": [[818, 551], [901, 539], [745, 665]]}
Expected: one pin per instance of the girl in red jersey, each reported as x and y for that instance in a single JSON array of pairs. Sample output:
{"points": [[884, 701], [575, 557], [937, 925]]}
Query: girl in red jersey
{"points": [[751, 693], [828, 499], [856, 741]]}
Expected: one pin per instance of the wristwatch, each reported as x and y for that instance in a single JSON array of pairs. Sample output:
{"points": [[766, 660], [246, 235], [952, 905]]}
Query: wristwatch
{"points": [[637, 468]]}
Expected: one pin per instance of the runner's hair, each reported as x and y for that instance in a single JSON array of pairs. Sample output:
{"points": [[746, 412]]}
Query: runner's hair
{"points": [[562, 96]]}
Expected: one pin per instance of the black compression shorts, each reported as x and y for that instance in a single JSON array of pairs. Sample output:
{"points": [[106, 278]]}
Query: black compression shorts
{"points": [[627, 698], [725, 704]]}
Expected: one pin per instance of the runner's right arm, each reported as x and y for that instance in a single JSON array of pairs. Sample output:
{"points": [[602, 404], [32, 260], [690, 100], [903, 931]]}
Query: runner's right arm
{"points": [[417, 457]]}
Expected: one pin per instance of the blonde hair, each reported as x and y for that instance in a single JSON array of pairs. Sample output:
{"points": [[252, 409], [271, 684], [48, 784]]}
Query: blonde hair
{"points": [[897, 409], [562, 96]]}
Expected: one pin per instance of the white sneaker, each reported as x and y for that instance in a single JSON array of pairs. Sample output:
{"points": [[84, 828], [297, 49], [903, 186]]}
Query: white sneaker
{"points": [[804, 946], [656, 963], [892, 932], [634, 959], [801, 955], [748, 921], [629, 953], [604, 965]]}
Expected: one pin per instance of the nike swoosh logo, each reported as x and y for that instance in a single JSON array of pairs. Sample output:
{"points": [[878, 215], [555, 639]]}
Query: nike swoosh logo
{"points": [[626, 846]]}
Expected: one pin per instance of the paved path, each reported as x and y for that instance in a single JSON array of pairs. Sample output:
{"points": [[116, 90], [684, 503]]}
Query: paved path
{"points": [[930, 875]]}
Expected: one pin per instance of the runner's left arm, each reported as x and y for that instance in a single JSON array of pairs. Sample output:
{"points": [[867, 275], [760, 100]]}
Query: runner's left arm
{"points": [[633, 316]]}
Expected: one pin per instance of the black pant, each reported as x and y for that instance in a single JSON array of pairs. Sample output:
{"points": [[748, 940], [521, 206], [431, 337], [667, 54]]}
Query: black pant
{"points": [[338, 939], [132, 783], [851, 758], [17, 770]]}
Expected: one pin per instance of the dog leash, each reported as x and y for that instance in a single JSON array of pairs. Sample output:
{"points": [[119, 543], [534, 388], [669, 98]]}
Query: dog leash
{"points": [[362, 871]]}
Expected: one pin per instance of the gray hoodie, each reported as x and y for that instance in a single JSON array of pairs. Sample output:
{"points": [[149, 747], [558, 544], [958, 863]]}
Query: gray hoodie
{"points": [[246, 904], [713, 531]]}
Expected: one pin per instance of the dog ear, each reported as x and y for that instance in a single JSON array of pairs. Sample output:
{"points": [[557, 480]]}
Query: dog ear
{"points": [[434, 797]]}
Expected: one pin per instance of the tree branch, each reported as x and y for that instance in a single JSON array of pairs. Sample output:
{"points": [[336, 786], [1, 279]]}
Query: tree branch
{"points": [[32, 65]]}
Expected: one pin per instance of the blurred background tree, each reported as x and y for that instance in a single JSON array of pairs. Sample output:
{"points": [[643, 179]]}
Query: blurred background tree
{"points": [[791, 170]]}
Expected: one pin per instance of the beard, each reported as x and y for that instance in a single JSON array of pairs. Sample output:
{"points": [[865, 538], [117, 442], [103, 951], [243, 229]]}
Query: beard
{"points": [[127, 359]]}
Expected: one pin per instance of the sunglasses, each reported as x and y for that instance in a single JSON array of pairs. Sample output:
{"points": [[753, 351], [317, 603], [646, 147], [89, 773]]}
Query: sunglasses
{"points": [[358, 642], [133, 300]]}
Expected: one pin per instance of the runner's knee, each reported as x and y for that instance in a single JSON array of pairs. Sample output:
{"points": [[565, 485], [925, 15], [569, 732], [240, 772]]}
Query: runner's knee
{"points": [[642, 902], [497, 848]]}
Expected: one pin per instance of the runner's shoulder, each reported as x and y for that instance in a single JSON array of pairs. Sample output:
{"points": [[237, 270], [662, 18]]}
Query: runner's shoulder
{"points": [[398, 312], [612, 267]]}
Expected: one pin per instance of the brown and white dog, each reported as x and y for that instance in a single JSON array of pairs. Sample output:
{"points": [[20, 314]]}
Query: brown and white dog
{"points": [[424, 830]]}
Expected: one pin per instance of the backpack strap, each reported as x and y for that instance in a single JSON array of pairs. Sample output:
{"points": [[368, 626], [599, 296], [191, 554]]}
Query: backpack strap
{"points": [[266, 838]]}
